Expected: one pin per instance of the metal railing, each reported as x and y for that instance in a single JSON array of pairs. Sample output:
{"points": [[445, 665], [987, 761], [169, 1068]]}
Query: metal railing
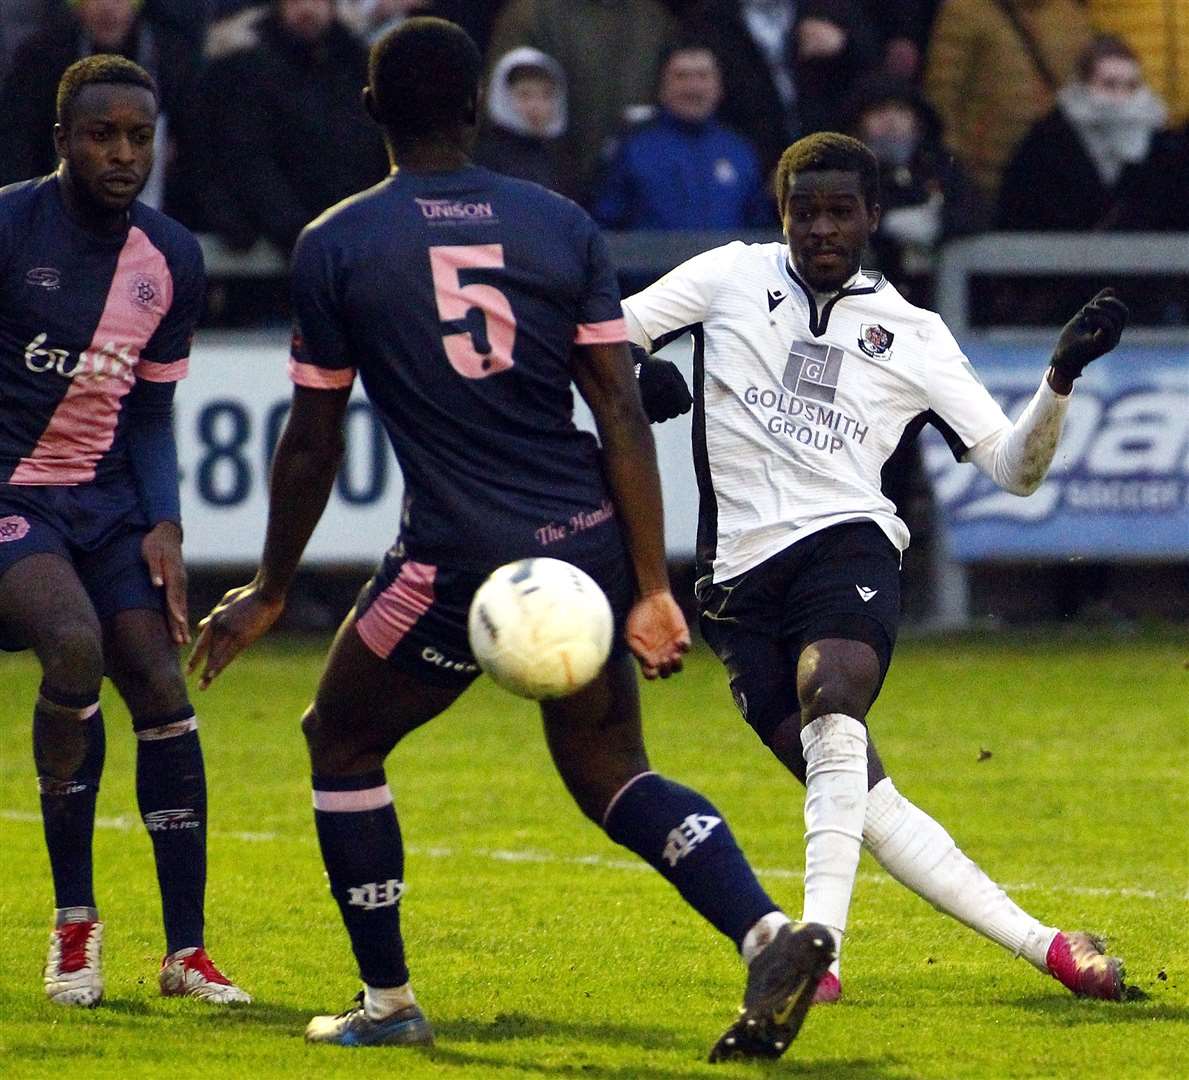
{"points": [[1028, 254]]}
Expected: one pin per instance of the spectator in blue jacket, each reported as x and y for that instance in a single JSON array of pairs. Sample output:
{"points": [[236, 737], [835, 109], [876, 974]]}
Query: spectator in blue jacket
{"points": [[684, 169]]}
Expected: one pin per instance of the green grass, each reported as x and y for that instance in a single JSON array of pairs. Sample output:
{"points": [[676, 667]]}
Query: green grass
{"points": [[538, 948]]}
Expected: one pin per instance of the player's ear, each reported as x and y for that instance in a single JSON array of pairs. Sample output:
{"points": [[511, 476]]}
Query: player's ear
{"points": [[874, 211], [60, 140], [369, 103]]}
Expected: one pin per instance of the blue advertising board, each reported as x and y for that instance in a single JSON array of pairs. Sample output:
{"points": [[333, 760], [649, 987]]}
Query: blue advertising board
{"points": [[1119, 485]]}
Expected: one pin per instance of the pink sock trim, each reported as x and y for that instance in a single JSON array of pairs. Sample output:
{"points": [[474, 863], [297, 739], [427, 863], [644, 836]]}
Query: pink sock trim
{"points": [[347, 802], [615, 798]]}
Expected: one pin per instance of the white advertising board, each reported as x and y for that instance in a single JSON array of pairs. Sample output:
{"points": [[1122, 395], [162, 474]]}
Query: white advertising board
{"points": [[230, 411]]}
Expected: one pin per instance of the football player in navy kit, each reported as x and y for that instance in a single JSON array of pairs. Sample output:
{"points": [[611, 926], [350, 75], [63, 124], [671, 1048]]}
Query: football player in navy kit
{"points": [[468, 302], [98, 299], [809, 372]]}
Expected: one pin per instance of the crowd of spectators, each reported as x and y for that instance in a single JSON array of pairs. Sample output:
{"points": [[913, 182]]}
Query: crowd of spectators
{"points": [[655, 114]]}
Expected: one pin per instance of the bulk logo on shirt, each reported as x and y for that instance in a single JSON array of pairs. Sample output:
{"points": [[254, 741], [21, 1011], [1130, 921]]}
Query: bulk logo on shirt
{"points": [[806, 413], [112, 360]]}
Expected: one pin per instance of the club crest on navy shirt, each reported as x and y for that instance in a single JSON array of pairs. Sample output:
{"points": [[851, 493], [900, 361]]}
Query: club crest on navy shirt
{"points": [[144, 291]]}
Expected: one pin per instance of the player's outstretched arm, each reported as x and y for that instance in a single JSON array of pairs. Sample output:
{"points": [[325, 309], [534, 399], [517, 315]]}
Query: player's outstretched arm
{"points": [[303, 470], [1018, 457], [656, 630]]}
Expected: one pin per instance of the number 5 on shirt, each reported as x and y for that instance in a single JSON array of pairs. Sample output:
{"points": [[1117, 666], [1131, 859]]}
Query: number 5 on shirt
{"points": [[480, 328]]}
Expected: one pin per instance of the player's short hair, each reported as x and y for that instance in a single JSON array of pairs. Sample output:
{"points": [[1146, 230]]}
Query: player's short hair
{"points": [[1102, 47], [100, 69], [424, 77], [828, 151]]}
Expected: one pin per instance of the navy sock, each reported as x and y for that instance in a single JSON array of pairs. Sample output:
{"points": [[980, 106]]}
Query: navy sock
{"points": [[680, 833], [171, 794], [69, 790], [365, 862]]}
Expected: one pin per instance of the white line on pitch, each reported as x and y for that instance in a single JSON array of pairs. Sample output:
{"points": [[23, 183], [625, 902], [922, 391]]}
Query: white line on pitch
{"points": [[124, 824]]}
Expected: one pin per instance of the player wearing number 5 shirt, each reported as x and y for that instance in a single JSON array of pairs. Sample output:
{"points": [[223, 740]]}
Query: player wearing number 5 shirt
{"points": [[467, 303], [98, 299]]}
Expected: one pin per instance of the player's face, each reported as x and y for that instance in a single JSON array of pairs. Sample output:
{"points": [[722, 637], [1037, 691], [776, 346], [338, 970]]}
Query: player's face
{"points": [[107, 150], [827, 222]]}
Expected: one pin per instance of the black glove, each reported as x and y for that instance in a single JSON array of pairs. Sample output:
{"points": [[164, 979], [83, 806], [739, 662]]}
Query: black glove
{"points": [[662, 387], [1091, 333]]}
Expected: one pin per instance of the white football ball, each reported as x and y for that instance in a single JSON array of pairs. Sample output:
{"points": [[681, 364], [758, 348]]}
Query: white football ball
{"points": [[540, 628]]}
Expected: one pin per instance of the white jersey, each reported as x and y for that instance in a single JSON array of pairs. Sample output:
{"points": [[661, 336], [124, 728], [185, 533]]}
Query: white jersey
{"points": [[799, 407]]}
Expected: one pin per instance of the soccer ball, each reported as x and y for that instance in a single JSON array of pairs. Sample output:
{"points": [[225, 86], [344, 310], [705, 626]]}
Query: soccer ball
{"points": [[540, 628]]}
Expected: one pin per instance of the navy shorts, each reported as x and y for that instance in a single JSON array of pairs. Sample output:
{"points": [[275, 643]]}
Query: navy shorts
{"points": [[414, 615], [842, 582], [98, 528]]}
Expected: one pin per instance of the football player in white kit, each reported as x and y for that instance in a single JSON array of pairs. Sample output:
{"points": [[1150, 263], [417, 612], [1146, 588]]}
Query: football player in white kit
{"points": [[809, 372]]}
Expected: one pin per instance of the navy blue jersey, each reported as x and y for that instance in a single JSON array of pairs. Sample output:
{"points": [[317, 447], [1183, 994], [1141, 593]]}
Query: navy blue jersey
{"points": [[82, 318], [458, 297]]}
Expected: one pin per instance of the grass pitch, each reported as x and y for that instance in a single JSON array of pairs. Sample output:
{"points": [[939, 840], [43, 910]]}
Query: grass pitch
{"points": [[540, 949]]}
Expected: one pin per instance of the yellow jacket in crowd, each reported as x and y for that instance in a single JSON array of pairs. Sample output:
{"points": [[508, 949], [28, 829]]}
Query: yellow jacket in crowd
{"points": [[984, 83], [1158, 31]]}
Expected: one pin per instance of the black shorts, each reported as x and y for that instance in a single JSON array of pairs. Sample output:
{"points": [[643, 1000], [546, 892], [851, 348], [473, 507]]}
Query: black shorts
{"points": [[97, 527], [842, 582], [414, 615]]}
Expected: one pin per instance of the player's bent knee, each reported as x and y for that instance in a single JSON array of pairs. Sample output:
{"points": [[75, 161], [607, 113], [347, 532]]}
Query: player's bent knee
{"points": [[335, 747], [159, 690], [71, 657], [835, 690], [312, 727], [822, 700], [837, 677]]}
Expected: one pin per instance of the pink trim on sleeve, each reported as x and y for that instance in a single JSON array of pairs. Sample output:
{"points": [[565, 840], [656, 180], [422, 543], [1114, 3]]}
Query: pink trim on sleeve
{"points": [[318, 378], [611, 332], [170, 371]]}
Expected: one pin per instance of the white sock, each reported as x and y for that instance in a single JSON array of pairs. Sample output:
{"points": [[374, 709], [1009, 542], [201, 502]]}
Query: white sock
{"points": [[835, 802], [920, 854], [64, 915], [760, 936], [382, 1001]]}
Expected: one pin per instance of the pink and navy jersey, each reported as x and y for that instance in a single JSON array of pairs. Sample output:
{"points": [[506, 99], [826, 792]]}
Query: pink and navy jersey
{"points": [[82, 319], [458, 297]]}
